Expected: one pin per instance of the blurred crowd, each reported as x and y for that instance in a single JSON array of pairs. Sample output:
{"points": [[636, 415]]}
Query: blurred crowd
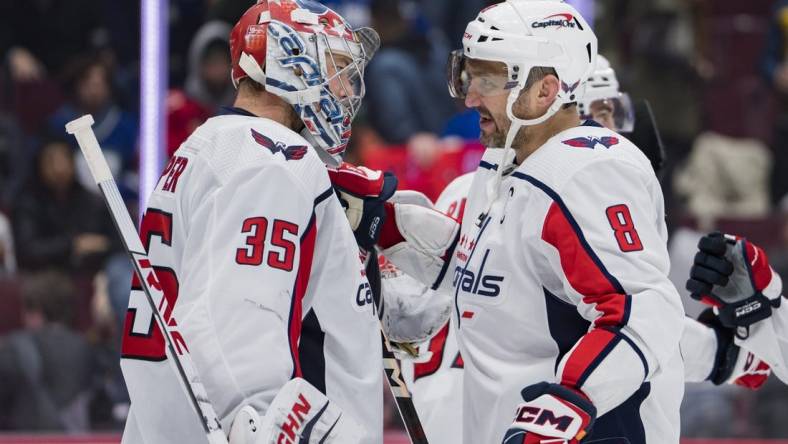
{"points": [[714, 71]]}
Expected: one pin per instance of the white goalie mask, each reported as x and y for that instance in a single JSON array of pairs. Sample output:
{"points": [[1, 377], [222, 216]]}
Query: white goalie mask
{"points": [[308, 55]]}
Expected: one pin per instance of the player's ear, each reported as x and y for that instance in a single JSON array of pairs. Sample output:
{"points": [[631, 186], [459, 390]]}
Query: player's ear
{"points": [[548, 89]]}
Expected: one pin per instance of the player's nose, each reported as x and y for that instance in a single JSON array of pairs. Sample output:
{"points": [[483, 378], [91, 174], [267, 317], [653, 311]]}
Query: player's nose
{"points": [[472, 99]]}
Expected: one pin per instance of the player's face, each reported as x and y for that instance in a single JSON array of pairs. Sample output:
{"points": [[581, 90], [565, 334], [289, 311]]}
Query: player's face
{"points": [[603, 112], [487, 94], [342, 79]]}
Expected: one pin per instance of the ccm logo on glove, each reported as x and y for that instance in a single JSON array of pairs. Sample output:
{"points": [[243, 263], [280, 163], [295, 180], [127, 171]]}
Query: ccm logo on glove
{"points": [[540, 416]]}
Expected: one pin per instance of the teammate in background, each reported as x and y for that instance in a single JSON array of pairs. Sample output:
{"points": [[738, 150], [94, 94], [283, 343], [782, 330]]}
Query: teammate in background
{"points": [[733, 275], [246, 234], [605, 103]]}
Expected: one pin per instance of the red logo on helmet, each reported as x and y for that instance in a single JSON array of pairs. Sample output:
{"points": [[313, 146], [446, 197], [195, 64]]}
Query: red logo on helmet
{"points": [[568, 17], [255, 38]]}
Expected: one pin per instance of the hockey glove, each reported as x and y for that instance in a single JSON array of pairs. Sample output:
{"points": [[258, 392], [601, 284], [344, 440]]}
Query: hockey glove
{"points": [[551, 413], [363, 193], [298, 413], [734, 276], [732, 364]]}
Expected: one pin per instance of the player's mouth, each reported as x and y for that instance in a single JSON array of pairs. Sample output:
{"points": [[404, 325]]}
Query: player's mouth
{"points": [[486, 124]]}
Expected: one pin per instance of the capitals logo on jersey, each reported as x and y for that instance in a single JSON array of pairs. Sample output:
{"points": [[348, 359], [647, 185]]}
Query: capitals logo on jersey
{"points": [[479, 283], [591, 142], [294, 152]]}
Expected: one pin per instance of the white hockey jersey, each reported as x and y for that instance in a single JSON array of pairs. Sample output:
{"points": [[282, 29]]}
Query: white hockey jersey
{"points": [[565, 280], [436, 384], [250, 242]]}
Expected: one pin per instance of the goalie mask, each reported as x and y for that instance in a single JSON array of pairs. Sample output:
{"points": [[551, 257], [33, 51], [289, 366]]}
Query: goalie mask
{"points": [[309, 56], [604, 102]]}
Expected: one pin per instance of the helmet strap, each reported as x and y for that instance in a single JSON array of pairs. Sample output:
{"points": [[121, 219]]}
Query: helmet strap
{"points": [[251, 68]]}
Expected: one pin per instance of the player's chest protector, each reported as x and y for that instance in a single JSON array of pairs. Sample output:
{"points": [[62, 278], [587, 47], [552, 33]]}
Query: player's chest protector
{"points": [[499, 295]]}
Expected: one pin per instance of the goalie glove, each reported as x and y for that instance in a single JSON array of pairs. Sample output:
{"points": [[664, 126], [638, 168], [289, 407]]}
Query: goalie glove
{"points": [[412, 312], [732, 364], [299, 413], [419, 241], [551, 413], [734, 276], [362, 193]]}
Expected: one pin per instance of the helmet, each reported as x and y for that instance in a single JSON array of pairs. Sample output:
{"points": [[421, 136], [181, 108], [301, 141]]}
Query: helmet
{"points": [[309, 56], [603, 96], [523, 34], [520, 35]]}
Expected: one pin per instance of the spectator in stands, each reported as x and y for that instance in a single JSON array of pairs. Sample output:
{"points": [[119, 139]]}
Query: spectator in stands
{"points": [[91, 92], [70, 27], [37, 39], [207, 85], [45, 368], [775, 67], [15, 160], [208, 81], [184, 115], [406, 85], [57, 223]]}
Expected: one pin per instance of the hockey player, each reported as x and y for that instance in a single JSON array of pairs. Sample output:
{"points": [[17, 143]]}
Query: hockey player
{"points": [[559, 272], [414, 312], [248, 239]]}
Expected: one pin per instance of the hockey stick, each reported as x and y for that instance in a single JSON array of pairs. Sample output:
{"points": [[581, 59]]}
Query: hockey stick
{"points": [[391, 365], [179, 355]]}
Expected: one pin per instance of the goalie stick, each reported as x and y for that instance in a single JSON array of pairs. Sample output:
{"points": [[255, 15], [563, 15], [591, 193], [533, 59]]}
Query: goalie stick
{"points": [[391, 365], [178, 352]]}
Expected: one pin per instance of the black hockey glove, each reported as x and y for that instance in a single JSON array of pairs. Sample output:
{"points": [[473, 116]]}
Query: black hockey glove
{"points": [[734, 276]]}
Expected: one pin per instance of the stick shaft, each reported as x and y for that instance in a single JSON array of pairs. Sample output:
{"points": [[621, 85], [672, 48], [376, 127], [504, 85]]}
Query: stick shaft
{"points": [[178, 352], [391, 366]]}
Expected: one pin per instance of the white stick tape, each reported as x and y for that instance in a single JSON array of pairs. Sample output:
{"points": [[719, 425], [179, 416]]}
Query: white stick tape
{"points": [[82, 129]]}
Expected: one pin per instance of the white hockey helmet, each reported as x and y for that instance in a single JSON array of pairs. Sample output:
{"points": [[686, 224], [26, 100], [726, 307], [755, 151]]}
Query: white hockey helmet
{"points": [[523, 34], [603, 99]]}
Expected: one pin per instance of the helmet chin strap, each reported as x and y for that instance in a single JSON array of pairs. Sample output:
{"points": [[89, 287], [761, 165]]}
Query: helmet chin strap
{"points": [[508, 150]]}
